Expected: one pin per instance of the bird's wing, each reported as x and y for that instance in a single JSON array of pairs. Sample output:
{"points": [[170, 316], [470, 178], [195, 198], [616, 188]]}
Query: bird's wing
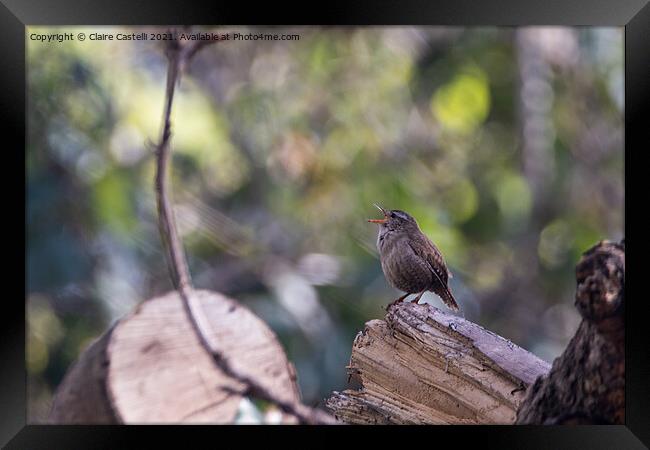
{"points": [[437, 257], [430, 253]]}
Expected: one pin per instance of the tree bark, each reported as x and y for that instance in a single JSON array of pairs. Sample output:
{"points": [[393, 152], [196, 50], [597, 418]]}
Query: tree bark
{"points": [[587, 382]]}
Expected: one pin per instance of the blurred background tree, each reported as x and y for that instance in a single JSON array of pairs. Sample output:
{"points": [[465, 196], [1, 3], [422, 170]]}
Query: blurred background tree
{"points": [[506, 145]]}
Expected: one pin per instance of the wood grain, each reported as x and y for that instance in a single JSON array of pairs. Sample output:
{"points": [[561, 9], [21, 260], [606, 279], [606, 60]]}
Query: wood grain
{"points": [[151, 368], [424, 366]]}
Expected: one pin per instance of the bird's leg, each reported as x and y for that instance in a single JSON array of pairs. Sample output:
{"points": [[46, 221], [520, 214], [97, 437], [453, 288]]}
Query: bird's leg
{"points": [[398, 300], [402, 298], [417, 299]]}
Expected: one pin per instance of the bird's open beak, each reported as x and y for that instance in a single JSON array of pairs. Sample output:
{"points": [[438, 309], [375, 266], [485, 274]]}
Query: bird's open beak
{"points": [[384, 220]]}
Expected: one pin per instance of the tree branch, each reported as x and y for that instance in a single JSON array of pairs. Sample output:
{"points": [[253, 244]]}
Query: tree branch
{"points": [[178, 56], [177, 262]]}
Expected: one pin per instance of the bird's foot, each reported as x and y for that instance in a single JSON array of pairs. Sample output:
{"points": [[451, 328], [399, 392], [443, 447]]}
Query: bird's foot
{"points": [[394, 302], [416, 300]]}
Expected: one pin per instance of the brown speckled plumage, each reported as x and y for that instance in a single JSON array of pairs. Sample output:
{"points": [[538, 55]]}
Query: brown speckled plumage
{"points": [[410, 261]]}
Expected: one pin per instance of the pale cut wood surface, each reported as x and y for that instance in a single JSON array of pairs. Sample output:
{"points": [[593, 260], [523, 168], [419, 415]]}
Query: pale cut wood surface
{"points": [[151, 368], [424, 366]]}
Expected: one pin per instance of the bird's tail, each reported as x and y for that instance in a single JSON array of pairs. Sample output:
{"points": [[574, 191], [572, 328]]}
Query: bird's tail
{"points": [[445, 294]]}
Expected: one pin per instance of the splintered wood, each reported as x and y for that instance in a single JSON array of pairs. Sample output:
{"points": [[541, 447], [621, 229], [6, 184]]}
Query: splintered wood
{"points": [[424, 366]]}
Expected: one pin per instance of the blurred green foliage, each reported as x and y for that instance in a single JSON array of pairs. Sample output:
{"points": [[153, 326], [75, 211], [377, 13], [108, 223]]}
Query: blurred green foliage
{"points": [[505, 144]]}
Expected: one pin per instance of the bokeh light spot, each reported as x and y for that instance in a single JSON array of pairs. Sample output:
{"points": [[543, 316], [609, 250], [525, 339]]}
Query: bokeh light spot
{"points": [[462, 104], [514, 198], [462, 201], [555, 242]]}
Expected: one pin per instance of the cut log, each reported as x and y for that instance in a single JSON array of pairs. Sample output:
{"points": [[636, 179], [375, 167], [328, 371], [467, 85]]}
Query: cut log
{"points": [[424, 366], [150, 367]]}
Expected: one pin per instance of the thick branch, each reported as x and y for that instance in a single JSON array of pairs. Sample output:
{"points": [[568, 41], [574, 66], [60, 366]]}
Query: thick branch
{"points": [[424, 366]]}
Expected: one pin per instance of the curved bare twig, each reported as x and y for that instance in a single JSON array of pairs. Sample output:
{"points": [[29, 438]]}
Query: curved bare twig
{"points": [[178, 56]]}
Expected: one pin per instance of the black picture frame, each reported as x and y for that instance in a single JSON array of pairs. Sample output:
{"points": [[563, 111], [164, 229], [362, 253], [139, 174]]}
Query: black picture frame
{"points": [[634, 15]]}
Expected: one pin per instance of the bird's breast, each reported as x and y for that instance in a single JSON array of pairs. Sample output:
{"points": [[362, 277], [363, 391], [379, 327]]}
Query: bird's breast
{"points": [[403, 268], [385, 241]]}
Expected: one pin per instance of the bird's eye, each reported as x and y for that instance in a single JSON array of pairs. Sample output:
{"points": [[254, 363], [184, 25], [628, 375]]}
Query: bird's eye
{"points": [[393, 215]]}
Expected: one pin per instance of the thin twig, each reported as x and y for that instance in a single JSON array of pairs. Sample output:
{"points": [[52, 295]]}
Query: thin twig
{"points": [[178, 56], [166, 220]]}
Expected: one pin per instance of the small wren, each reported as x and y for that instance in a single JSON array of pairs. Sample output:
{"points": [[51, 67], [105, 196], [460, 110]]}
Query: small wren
{"points": [[410, 261]]}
